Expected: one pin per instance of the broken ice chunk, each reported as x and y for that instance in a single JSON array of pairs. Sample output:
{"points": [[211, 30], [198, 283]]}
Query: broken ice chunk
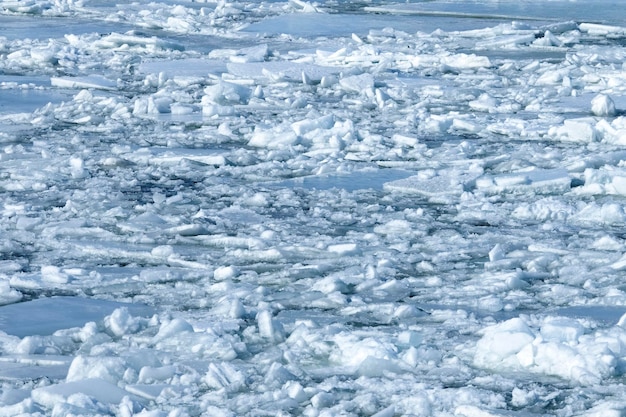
{"points": [[344, 249], [225, 273], [273, 138], [358, 83], [54, 274], [225, 93], [484, 103], [602, 105], [224, 376], [8, 295], [173, 328], [497, 253], [257, 53], [601, 29], [576, 130], [269, 328], [305, 126]]}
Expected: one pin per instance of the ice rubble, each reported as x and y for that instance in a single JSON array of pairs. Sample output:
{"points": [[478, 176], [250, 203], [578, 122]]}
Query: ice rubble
{"points": [[556, 346], [328, 216]]}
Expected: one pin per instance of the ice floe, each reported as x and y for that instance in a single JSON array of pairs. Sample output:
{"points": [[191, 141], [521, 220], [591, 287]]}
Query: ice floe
{"points": [[47, 315]]}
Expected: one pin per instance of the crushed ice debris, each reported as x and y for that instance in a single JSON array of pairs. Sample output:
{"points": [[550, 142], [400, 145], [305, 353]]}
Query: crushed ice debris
{"points": [[312, 208]]}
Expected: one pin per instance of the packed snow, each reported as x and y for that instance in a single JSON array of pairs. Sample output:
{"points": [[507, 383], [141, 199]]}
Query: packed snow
{"points": [[333, 208]]}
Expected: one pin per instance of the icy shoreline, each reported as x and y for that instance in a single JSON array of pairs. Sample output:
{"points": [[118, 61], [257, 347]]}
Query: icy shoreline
{"points": [[292, 208]]}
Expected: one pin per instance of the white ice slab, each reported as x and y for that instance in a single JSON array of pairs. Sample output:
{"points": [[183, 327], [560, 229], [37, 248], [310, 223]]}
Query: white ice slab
{"points": [[582, 130], [541, 181], [281, 70], [442, 184], [476, 11], [359, 180], [326, 24], [89, 81], [125, 40], [191, 67], [607, 315], [45, 316], [29, 367], [602, 29], [98, 389], [34, 27], [174, 156], [601, 10], [26, 99], [151, 391], [581, 104]]}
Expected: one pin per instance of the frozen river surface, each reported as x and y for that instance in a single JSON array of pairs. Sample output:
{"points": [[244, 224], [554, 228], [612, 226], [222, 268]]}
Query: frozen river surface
{"points": [[335, 208]]}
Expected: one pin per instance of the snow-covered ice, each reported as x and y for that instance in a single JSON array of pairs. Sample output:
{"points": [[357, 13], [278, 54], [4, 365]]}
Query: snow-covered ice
{"points": [[247, 208]]}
